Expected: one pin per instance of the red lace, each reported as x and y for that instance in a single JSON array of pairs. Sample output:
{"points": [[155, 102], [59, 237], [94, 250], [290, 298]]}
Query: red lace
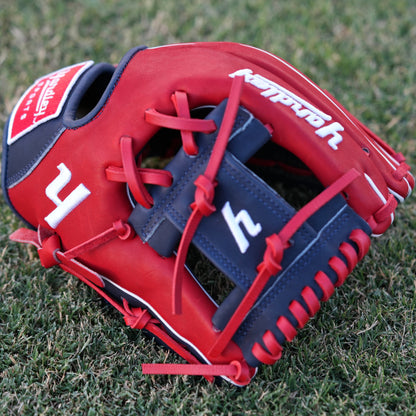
{"points": [[135, 176], [51, 253], [235, 370]]}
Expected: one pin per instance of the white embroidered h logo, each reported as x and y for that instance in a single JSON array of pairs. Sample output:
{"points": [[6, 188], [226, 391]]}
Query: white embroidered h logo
{"points": [[234, 221], [63, 208]]}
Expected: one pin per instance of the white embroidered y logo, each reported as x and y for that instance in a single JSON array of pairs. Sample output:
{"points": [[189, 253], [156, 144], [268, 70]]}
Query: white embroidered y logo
{"points": [[63, 208], [233, 222]]}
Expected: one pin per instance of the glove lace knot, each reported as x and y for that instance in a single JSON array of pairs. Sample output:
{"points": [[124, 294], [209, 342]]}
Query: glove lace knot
{"points": [[136, 318], [204, 195]]}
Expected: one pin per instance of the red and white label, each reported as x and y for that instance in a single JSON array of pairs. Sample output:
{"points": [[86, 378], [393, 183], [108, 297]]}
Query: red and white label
{"points": [[44, 100]]}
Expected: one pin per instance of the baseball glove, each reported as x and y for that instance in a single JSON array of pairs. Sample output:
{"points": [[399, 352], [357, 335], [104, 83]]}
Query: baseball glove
{"points": [[118, 169]]}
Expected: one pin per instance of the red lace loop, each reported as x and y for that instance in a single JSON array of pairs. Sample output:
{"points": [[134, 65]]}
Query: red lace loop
{"points": [[298, 311], [401, 171], [386, 212], [326, 285], [47, 252], [362, 240], [350, 255], [272, 345], [180, 100], [149, 176], [180, 123], [204, 195], [137, 319], [340, 268], [287, 329], [311, 300], [119, 229], [274, 352], [135, 182], [124, 230], [135, 176]]}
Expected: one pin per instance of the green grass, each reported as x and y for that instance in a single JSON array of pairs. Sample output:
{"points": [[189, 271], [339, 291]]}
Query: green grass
{"points": [[63, 351]]}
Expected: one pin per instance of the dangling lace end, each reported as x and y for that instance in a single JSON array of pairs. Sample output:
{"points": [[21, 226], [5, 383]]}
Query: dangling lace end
{"points": [[236, 371], [26, 236]]}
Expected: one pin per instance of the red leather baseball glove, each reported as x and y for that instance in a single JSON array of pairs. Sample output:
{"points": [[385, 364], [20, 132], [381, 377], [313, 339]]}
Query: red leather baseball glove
{"points": [[118, 169]]}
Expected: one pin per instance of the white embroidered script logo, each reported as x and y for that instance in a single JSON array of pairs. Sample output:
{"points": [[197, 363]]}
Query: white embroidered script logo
{"points": [[63, 208], [234, 221], [302, 108]]}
